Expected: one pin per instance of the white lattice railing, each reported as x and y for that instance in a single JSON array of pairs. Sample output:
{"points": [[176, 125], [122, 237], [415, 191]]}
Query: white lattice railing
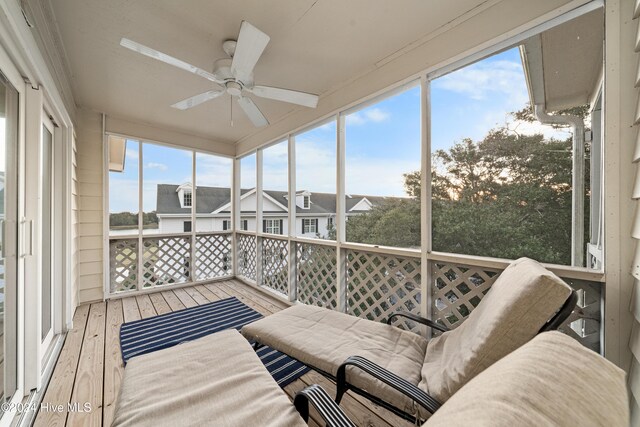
{"points": [[457, 289], [316, 275], [376, 283], [369, 283], [247, 256], [275, 264], [166, 260]]}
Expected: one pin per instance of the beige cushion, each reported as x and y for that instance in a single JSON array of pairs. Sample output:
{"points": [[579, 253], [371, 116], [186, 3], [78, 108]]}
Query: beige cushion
{"points": [[550, 381], [216, 380], [324, 338], [520, 302]]}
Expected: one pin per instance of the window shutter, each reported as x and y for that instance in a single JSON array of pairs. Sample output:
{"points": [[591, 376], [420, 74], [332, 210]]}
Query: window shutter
{"points": [[280, 231], [264, 225], [302, 220], [317, 229]]}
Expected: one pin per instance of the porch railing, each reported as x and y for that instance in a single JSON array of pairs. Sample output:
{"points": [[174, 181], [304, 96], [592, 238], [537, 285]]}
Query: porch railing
{"points": [[142, 262], [378, 283], [368, 282]]}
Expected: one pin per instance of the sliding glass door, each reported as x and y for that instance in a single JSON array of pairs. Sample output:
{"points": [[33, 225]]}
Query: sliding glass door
{"points": [[8, 238]]}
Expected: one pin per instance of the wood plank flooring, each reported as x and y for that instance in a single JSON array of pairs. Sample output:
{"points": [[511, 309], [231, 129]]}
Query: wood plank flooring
{"points": [[89, 368]]}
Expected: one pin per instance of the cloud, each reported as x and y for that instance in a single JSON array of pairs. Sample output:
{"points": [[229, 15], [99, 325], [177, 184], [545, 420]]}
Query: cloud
{"points": [[275, 167], [213, 171], [378, 177], [480, 80], [153, 165], [528, 128], [329, 126], [123, 194], [370, 115], [316, 164], [132, 151]]}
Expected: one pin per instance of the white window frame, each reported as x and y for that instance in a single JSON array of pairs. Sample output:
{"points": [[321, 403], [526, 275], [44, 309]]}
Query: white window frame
{"points": [[272, 226], [309, 225], [184, 199], [226, 224], [306, 202]]}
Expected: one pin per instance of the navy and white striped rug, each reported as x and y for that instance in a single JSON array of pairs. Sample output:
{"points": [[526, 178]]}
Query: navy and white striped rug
{"points": [[166, 330]]}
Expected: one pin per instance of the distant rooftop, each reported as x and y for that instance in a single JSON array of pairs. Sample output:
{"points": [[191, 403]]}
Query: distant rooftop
{"points": [[210, 199]]}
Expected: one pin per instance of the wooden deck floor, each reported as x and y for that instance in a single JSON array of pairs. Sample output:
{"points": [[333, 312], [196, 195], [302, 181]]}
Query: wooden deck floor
{"points": [[89, 368]]}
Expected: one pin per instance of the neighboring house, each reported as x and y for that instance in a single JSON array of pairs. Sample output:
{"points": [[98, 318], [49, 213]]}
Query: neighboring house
{"points": [[315, 212]]}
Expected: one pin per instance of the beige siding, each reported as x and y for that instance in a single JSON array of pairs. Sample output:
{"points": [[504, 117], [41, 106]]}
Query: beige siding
{"points": [[89, 207], [634, 342], [74, 223]]}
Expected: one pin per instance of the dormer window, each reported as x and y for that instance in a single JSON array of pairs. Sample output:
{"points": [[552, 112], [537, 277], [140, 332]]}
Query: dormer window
{"points": [[185, 195], [306, 202]]}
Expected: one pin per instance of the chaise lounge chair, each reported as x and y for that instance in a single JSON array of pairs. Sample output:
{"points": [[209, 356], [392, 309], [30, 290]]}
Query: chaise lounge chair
{"points": [[217, 380], [550, 381], [405, 372]]}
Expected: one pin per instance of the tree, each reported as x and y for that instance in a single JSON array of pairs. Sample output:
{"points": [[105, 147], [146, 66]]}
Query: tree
{"points": [[126, 220], [507, 195], [394, 223]]}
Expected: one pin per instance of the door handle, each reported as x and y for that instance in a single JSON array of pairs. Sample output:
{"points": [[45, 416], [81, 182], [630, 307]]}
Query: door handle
{"points": [[26, 224], [2, 238]]}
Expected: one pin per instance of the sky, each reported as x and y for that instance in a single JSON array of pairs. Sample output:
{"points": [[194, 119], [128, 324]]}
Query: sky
{"points": [[382, 140]]}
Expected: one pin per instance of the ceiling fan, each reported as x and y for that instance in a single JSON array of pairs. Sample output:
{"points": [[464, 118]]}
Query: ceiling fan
{"points": [[234, 74]]}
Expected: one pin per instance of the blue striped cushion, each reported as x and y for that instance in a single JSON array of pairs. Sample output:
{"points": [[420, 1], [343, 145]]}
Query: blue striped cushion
{"points": [[166, 330]]}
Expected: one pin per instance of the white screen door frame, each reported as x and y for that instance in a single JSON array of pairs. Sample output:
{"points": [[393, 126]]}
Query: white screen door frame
{"points": [[47, 236]]}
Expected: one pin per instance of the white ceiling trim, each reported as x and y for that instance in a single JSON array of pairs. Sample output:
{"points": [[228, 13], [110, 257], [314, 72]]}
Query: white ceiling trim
{"points": [[128, 129]]}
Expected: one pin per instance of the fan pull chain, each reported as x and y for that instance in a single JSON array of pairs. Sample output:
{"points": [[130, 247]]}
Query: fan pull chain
{"points": [[231, 102]]}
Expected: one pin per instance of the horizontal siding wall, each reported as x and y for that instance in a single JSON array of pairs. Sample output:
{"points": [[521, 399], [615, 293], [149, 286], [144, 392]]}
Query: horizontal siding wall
{"points": [[74, 224], [634, 145], [89, 209]]}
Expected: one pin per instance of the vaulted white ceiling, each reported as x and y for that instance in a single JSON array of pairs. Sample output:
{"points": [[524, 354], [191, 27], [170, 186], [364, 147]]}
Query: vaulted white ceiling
{"points": [[316, 46]]}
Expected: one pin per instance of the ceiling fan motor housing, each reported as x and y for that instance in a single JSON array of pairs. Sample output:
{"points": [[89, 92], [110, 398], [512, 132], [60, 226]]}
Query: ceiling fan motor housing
{"points": [[233, 88], [222, 70]]}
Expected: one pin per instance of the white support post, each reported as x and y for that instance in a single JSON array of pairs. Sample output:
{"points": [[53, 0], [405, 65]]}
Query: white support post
{"points": [[425, 201], [194, 200], [293, 274], [259, 230], [235, 214], [106, 228], [140, 284], [341, 253]]}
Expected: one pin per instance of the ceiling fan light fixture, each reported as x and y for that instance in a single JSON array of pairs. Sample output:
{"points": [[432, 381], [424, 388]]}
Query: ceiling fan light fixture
{"points": [[233, 88]]}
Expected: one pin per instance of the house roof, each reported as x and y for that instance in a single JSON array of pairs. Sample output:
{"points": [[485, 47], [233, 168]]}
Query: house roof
{"points": [[564, 64], [210, 199]]}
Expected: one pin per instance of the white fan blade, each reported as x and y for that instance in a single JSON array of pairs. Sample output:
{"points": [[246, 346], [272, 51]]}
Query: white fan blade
{"points": [[286, 95], [251, 110], [197, 99], [163, 57], [251, 43]]}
